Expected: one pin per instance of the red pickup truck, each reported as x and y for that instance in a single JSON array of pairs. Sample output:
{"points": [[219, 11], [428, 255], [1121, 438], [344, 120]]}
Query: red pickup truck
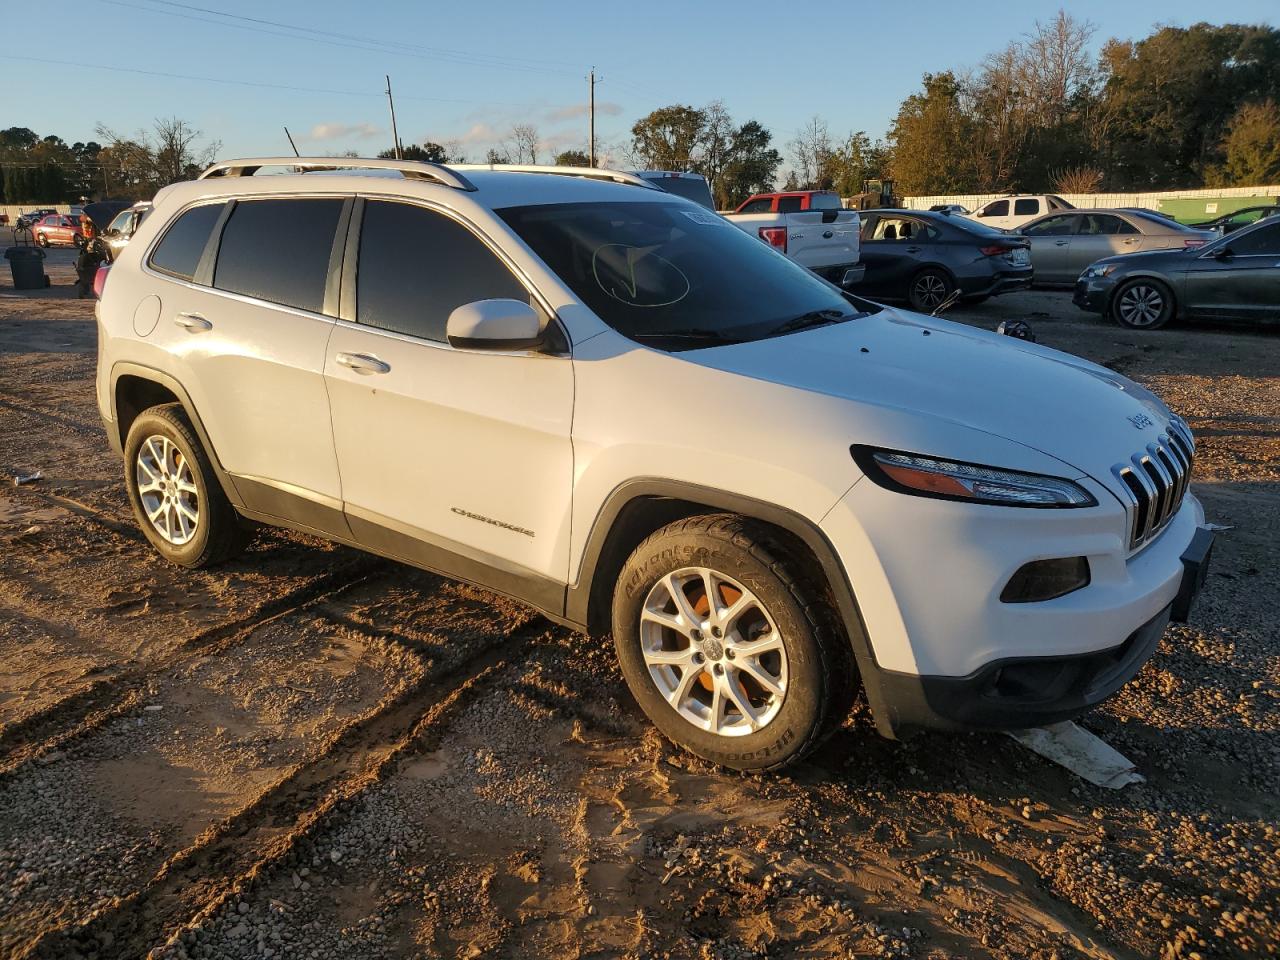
{"points": [[791, 202]]}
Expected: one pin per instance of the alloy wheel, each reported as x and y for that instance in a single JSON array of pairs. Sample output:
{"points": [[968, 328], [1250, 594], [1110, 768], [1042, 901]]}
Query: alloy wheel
{"points": [[167, 489], [713, 651], [929, 290], [1141, 305]]}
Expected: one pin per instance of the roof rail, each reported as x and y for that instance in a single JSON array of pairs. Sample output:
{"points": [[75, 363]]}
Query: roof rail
{"points": [[409, 169], [591, 173]]}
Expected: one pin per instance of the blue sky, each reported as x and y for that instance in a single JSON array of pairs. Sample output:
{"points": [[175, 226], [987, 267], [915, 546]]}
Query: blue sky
{"points": [[469, 71]]}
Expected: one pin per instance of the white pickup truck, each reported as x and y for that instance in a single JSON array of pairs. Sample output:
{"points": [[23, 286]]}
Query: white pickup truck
{"points": [[1011, 212], [810, 227]]}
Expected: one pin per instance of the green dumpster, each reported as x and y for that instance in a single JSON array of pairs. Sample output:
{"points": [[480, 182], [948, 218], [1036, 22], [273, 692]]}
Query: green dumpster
{"points": [[1200, 209], [27, 266]]}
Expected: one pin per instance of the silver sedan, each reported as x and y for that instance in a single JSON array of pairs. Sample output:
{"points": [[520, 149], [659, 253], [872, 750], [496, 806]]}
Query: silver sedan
{"points": [[1063, 244]]}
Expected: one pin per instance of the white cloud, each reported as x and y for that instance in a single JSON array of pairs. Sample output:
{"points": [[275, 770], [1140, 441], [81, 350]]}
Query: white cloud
{"points": [[342, 131], [576, 110]]}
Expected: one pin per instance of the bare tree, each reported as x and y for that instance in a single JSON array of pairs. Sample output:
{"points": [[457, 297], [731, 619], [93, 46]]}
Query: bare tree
{"points": [[522, 143], [174, 148], [810, 151], [169, 153]]}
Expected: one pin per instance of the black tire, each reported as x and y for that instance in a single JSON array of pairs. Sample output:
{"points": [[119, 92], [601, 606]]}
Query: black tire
{"points": [[217, 534], [42, 240], [1142, 304], [929, 288], [820, 674]]}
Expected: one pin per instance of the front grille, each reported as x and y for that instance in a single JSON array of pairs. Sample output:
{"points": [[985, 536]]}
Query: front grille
{"points": [[1155, 480]]}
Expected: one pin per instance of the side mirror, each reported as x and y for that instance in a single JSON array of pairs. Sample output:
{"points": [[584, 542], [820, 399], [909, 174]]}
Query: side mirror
{"points": [[495, 325], [1223, 253]]}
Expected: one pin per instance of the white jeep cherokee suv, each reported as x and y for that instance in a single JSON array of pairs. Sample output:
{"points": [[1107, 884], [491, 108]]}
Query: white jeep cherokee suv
{"points": [[609, 403]]}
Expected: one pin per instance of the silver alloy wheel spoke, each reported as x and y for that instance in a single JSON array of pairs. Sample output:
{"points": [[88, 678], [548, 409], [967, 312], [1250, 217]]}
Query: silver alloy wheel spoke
{"points": [[700, 658], [167, 489]]}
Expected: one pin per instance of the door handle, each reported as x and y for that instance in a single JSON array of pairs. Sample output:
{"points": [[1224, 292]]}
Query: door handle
{"points": [[1061, 243], [192, 322], [362, 363]]}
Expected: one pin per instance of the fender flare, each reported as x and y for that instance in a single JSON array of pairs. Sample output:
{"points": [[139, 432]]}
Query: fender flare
{"points": [[578, 595], [126, 368]]}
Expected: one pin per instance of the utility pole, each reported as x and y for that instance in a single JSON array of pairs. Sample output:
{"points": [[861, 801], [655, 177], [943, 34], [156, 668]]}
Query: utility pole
{"points": [[591, 113], [395, 137]]}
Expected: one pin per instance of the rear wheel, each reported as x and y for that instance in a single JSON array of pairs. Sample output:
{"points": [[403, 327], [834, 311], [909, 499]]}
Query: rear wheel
{"points": [[724, 645], [928, 289], [176, 497], [1142, 304]]}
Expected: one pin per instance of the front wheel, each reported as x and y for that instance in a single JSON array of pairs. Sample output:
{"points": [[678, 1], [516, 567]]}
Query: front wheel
{"points": [[1142, 304], [928, 289], [725, 646], [42, 240]]}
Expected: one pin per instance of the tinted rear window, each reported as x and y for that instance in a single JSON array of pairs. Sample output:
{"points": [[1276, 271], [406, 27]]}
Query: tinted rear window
{"points": [[278, 250], [691, 188], [179, 250], [789, 204], [825, 201], [1023, 208]]}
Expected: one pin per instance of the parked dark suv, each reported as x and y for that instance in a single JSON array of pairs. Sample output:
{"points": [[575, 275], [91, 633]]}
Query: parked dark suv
{"points": [[922, 257]]}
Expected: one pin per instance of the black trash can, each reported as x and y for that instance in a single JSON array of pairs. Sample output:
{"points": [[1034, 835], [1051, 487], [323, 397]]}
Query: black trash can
{"points": [[27, 266]]}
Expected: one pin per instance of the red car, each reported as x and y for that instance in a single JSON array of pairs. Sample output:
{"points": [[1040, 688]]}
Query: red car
{"points": [[794, 201], [57, 228]]}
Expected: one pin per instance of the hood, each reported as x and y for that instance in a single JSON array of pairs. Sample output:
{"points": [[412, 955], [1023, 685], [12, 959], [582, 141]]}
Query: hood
{"points": [[1150, 258], [1077, 412]]}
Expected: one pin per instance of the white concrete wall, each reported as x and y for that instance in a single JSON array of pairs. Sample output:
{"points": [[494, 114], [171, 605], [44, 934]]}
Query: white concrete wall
{"points": [[1089, 200]]}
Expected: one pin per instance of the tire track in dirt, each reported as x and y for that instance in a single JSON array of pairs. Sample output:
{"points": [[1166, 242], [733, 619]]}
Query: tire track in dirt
{"points": [[226, 860], [23, 406], [105, 699]]}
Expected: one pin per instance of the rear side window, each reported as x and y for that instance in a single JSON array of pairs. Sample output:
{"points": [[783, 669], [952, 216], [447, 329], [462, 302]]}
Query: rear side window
{"points": [[1022, 208], [417, 266], [789, 204], [278, 250], [824, 201], [179, 251]]}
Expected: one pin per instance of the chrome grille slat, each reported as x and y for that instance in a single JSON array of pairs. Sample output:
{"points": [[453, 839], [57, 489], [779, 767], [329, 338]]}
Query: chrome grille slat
{"points": [[1154, 482]]}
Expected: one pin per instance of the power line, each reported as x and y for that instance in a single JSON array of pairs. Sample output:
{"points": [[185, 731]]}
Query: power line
{"points": [[263, 84], [343, 36], [350, 43]]}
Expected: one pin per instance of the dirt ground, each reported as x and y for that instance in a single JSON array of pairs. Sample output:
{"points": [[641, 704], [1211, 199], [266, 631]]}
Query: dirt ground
{"points": [[314, 753]]}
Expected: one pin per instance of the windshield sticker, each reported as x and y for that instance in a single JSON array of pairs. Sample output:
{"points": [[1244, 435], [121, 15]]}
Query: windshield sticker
{"points": [[703, 217], [637, 276]]}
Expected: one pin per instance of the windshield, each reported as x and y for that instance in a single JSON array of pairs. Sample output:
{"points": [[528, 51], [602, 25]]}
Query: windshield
{"points": [[676, 277]]}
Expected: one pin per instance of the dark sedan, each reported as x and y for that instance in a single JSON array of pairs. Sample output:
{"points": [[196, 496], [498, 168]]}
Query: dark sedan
{"points": [[1231, 222], [923, 257], [1236, 276]]}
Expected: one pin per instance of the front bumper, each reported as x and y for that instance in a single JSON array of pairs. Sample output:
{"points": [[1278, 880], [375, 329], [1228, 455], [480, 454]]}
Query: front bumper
{"points": [[944, 650], [1093, 294], [1018, 693]]}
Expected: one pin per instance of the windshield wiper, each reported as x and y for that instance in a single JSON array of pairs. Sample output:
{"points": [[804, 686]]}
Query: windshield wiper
{"points": [[714, 336], [814, 318]]}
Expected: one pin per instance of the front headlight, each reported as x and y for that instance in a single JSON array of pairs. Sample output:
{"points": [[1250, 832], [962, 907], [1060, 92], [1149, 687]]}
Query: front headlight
{"points": [[1098, 270], [954, 480]]}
